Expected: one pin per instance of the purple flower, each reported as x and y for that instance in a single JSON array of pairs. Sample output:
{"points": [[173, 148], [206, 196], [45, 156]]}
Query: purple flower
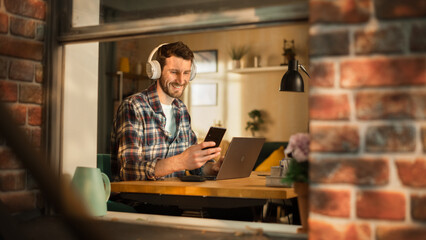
{"points": [[298, 147]]}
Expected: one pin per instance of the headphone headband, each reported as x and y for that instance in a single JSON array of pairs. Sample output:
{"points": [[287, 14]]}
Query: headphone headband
{"points": [[155, 50]]}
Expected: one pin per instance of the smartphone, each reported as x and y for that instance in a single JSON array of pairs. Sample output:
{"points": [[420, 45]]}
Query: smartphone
{"points": [[215, 134]]}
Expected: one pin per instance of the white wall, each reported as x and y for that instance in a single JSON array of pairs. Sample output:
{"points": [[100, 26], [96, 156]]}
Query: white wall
{"points": [[80, 109], [80, 96]]}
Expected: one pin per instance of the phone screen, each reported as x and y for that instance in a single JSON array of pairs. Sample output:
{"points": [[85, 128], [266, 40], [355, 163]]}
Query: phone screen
{"points": [[215, 134]]}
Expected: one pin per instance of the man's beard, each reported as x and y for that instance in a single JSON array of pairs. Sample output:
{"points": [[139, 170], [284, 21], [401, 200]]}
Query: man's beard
{"points": [[167, 91]]}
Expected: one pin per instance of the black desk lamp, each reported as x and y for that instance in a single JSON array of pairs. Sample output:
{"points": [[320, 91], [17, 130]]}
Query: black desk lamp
{"points": [[292, 81]]}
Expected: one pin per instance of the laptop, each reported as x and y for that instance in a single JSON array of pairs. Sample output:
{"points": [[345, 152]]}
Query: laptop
{"points": [[240, 158]]}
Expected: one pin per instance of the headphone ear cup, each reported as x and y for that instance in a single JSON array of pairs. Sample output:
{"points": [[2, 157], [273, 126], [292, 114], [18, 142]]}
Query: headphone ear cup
{"points": [[153, 69], [193, 71]]}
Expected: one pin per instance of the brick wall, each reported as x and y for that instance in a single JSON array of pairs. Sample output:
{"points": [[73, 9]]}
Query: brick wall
{"points": [[22, 24], [368, 119]]}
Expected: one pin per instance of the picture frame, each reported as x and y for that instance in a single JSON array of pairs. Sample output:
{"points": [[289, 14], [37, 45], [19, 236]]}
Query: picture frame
{"points": [[206, 61], [203, 94]]}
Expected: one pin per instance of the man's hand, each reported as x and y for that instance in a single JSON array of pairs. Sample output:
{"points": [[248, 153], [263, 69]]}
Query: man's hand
{"points": [[195, 157], [212, 168], [192, 158]]}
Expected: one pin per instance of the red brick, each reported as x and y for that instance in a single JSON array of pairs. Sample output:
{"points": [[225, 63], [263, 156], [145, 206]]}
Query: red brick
{"points": [[344, 11], [423, 138], [4, 23], [380, 205], [29, 8], [380, 72], [393, 9], [418, 207], [390, 105], [36, 137], [8, 91], [34, 116], [18, 201], [412, 173], [320, 230], [28, 49], [22, 27], [30, 93], [392, 232], [418, 37], [358, 232], [360, 171], [12, 180], [19, 113], [329, 43], [329, 107], [39, 73], [8, 159], [335, 203], [322, 74], [391, 138], [334, 139], [383, 40], [3, 68], [21, 70]]}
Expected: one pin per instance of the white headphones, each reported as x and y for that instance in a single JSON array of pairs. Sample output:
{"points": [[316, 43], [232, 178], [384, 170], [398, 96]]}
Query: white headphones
{"points": [[153, 68]]}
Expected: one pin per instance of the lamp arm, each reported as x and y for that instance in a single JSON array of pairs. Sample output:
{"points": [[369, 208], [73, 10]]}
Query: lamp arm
{"points": [[304, 69]]}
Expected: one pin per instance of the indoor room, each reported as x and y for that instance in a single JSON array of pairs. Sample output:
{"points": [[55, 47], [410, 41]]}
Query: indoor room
{"points": [[317, 107]]}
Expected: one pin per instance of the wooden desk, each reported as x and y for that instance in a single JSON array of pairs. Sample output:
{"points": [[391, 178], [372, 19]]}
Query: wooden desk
{"points": [[252, 187]]}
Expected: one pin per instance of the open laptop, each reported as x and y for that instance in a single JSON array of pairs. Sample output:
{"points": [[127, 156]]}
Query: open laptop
{"points": [[240, 158]]}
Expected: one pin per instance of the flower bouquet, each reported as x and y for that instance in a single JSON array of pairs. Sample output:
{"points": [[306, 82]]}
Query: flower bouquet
{"points": [[298, 150]]}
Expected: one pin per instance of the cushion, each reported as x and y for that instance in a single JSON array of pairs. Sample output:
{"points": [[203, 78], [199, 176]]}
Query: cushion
{"points": [[267, 149], [272, 160]]}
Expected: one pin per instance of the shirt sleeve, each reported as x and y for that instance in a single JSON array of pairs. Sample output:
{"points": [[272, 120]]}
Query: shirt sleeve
{"points": [[129, 127]]}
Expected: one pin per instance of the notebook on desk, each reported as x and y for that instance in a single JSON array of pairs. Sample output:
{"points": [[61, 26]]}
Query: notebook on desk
{"points": [[240, 158]]}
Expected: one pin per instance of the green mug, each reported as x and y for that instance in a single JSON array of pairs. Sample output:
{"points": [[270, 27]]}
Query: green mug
{"points": [[94, 189]]}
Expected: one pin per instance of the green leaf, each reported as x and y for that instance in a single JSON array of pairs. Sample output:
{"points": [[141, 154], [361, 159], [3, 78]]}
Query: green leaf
{"points": [[297, 172]]}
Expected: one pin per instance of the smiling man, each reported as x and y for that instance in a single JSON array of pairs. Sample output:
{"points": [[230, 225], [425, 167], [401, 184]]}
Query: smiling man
{"points": [[152, 136]]}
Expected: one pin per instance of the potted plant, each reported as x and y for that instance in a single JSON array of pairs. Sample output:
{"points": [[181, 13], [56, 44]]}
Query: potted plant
{"points": [[256, 121], [237, 53], [298, 173]]}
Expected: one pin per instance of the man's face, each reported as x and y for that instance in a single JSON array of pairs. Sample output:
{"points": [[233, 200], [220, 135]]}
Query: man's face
{"points": [[175, 76]]}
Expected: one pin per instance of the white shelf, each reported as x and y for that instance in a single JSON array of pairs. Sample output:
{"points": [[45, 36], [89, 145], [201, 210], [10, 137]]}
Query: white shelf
{"points": [[259, 69]]}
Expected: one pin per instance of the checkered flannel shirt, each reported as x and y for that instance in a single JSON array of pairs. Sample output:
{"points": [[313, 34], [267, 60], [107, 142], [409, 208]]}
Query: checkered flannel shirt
{"points": [[139, 138]]}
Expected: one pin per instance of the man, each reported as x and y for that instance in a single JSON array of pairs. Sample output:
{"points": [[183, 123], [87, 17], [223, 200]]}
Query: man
{"points": [[152, 136]]}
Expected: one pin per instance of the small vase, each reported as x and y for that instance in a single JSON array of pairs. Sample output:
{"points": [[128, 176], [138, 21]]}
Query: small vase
{"points": [[302, 191], [236, 63]]}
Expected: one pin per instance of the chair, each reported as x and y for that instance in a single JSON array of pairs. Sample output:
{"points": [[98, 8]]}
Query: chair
{"points": [[104, 164]]}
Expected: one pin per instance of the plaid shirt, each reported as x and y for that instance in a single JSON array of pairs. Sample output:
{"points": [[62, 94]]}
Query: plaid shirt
{"points": [[139, 138]]}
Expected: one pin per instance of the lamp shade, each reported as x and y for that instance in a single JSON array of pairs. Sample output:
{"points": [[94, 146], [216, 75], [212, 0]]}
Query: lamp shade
{"points": [[292, 81]]}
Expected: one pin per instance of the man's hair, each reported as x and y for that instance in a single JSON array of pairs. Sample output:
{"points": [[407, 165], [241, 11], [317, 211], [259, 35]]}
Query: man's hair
{"points": [[177, 49]]}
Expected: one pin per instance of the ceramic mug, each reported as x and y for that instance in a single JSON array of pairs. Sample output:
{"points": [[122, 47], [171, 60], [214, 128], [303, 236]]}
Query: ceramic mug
{"points": [[94, 189]]}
